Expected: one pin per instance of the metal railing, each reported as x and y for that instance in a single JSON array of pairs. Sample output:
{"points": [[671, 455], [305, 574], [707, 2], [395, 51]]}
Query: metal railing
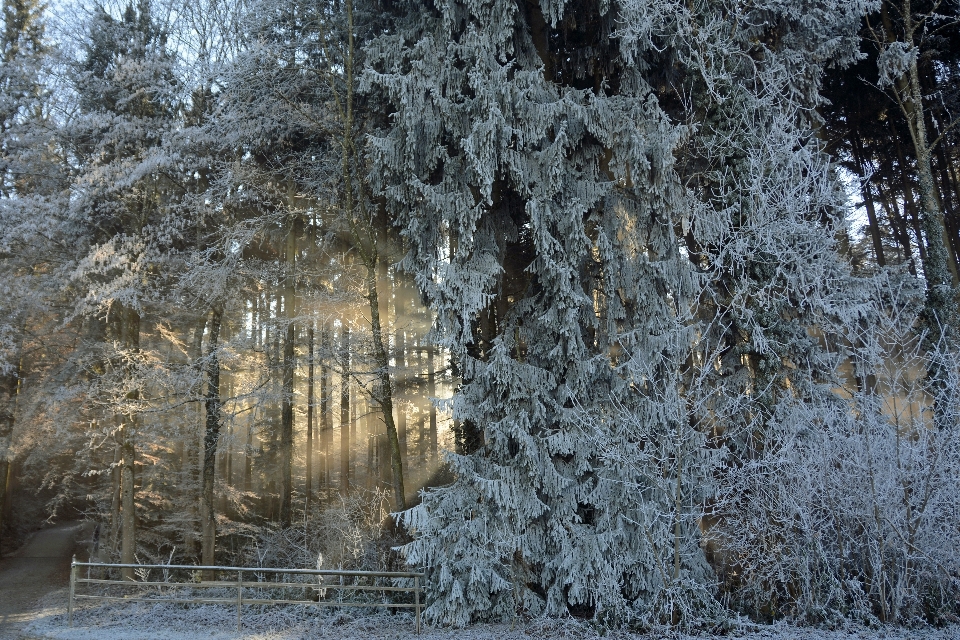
{"points": [[319, 588]]}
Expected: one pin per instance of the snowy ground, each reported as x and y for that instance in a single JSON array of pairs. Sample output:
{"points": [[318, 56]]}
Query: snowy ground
{"points": [[27, 614], [145, 621]]}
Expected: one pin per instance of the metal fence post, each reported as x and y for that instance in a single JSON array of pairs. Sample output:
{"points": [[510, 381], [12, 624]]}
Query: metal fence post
{"points": [[416, 600], [73, 586], [239, 600]]}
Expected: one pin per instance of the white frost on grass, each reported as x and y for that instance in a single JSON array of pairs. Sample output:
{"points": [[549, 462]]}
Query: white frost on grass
{"points": [[146, 621]]}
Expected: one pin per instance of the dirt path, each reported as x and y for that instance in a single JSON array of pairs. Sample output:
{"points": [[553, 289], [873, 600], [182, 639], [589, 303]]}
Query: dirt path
{"points": [[40, 566]]}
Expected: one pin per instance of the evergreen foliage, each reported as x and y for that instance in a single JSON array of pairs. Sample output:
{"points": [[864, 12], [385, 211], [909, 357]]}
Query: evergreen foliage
{"points": [[581, 270], [639, 218]]}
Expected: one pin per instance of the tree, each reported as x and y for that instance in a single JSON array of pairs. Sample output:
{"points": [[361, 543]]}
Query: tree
{"points": [[895, 131], [23, 52], [577, 205], [125, 76], [361, 222], [299, 80], [913, 51], [25, 168], [671, 357], [899, 37]]}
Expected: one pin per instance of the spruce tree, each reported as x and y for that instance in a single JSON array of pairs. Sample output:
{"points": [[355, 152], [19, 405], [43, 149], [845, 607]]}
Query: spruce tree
{"points": [[127, 93], [614, 208]]}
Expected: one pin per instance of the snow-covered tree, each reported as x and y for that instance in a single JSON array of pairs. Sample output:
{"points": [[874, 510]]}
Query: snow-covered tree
{"points": [[23, 50], [30, 172], [621, 215], [127, 95], [905, 29], [617, 210]]}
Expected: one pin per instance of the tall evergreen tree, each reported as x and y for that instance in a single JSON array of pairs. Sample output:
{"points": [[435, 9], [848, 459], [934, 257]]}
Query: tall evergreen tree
{"points": [[28, 170], [22, 48], [581, 183], [22, 95], [128, 95]]}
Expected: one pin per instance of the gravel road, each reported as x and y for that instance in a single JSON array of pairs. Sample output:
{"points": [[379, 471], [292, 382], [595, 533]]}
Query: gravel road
{"points": [[40, 566]]}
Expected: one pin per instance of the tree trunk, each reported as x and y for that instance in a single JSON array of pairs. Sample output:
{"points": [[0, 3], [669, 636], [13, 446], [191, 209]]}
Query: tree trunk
{"points": [[954, 183], [875, 235], [227, 477], [899, 224], [128, 526], [371, 458], [212, 406], [348, 203], [326, 433], [385, 390], [271, 457], [421, 412], [308, 487], [5, 469], [286, 411], [951, 222], [192, 470], [130, 339], [9, 387], [248, 461], [868, 203], [114, 538], [431, 396], [344, 410], [939, 266], [353, 426], [401, 360], [223, 457]]}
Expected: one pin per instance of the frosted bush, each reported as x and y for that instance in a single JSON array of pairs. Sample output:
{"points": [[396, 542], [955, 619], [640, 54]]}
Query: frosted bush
{"points": [[849, 506]]}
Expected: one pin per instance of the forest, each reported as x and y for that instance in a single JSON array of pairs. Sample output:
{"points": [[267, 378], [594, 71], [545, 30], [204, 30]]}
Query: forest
{"points": [[639, 311]]}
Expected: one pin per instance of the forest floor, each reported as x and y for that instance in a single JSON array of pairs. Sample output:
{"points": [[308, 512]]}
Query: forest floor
{"points": [[145, 621], [33, 603]]}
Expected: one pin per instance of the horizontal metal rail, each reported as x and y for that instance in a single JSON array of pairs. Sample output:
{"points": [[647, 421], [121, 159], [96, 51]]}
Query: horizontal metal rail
{"points": [[318, 586], [81, 596], [240, 584], [311, 572]]}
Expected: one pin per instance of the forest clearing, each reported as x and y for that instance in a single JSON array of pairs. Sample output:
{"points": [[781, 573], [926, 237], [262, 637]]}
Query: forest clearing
{"points": [[595, 316]]}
